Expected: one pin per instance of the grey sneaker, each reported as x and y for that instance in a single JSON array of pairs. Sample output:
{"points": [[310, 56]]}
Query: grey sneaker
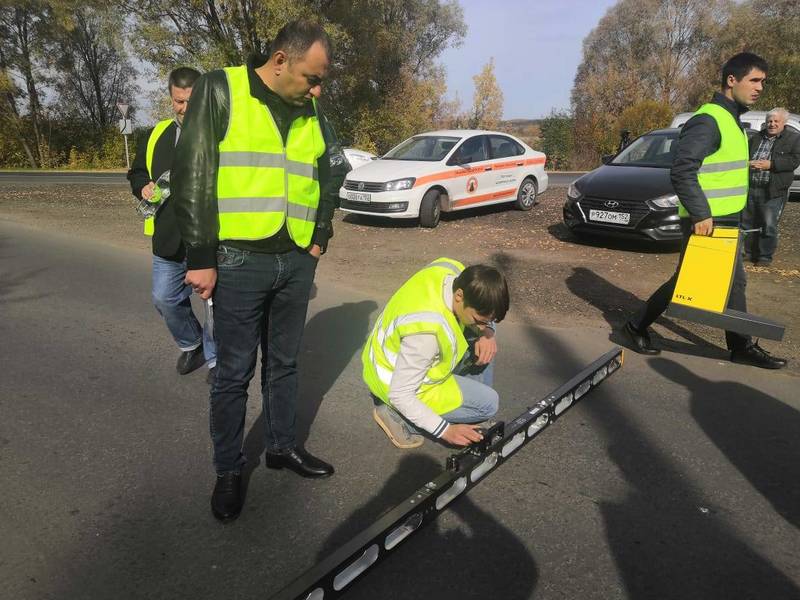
{"points": [[396, 428]]}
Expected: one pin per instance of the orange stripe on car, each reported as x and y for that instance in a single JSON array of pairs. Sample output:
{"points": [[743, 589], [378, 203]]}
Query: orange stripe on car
{"points": [[484, 197], [466, 172]]}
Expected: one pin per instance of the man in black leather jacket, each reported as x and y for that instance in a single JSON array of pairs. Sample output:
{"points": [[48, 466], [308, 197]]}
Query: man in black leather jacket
{"points": [[260, 287]]}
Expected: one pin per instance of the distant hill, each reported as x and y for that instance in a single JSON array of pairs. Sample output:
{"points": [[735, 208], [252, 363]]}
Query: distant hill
{"points": [[527, 130]]}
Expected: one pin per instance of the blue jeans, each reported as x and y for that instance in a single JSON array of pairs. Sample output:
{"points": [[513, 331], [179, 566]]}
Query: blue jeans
{"points": [[171, 298], [479, 400], [260, 300], [764, 212]]}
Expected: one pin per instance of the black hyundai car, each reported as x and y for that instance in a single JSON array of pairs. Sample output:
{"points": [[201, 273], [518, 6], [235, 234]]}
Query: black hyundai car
{"points": [[631, 194]]}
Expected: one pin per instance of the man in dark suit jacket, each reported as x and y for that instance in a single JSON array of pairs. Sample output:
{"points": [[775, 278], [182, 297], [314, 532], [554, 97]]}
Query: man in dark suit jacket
{"points": [[154, 157], [774, 155]]}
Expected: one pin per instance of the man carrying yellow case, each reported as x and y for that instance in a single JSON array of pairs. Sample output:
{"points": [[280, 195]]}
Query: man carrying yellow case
{"points": [[710, 176]]}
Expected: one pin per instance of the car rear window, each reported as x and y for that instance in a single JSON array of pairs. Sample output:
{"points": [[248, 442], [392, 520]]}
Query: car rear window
{"points": [[423, 147], [654, 150]]}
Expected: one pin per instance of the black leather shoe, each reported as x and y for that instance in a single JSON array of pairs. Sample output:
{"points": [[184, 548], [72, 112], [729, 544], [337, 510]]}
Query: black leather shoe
{"points": [[226, 501], [640, 342], [300, 461], [191, 360], [756, 356]]}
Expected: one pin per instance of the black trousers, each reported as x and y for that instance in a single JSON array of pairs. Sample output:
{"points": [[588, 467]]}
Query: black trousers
{"points": [[658, 302]]}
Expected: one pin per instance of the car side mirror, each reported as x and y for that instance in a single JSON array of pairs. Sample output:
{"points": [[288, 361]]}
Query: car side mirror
{"points": [[607, 158]]}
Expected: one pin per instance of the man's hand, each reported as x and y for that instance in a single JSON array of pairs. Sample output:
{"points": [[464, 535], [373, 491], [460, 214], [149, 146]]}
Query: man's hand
{"points": [[485, 347], [315, 251], [147, 191], [202, 281], [461, 435], [704, 227], [763, 165]]}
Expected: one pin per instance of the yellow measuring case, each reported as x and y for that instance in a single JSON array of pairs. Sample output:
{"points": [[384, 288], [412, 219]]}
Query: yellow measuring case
{"points": [[704, 285]]}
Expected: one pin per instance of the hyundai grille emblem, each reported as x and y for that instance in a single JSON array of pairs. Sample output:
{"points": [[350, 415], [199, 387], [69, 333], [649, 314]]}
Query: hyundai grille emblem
{"points": [[611, 204]]}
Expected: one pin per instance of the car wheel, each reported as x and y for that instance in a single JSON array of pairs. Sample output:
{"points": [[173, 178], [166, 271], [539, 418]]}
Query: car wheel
{"points": [[526, 196], [430, 209]]}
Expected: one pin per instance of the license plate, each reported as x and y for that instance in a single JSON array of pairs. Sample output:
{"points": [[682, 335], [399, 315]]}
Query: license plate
{"points": [[359, 197], [607, 216]]}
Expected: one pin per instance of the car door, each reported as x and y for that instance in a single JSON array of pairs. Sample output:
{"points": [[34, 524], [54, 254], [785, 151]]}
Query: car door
{"points": [[473, 183], [508, 163]]}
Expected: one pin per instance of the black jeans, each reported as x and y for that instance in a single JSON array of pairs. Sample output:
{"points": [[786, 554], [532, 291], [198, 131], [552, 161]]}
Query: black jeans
{"points": [[658, 302], [259, 299], [764, 212]]}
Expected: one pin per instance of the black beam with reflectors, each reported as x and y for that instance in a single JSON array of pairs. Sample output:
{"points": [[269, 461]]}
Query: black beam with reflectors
{"points": [[334, 575], [704, 285], [730, 320]]}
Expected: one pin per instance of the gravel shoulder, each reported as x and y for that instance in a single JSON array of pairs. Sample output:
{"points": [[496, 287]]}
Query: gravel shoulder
{"points": [[556, 279]]}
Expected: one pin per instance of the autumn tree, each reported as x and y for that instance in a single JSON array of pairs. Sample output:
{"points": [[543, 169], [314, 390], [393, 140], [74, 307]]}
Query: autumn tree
{"points": [[640, 50], [21, 108], [383, 50], [92, 69], [487, 103]]}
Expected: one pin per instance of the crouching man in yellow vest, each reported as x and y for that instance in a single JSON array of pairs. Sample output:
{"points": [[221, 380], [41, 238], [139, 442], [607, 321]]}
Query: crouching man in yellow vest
{"points": [[428, 361]]}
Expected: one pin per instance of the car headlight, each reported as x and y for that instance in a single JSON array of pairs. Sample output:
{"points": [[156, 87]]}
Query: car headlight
{"points": [[399, 184], [666, 201], [573, 192]]}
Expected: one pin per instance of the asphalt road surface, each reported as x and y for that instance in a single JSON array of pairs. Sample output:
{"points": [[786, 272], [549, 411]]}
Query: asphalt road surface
{"points": [[54, 177], [677, 478]]}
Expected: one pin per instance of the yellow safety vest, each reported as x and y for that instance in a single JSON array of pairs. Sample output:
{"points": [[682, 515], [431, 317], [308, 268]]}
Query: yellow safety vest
{"points": [[723, 176], [261, 183], [418, 307], [155, 135]]}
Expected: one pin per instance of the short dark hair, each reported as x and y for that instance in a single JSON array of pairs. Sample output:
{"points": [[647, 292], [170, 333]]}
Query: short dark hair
{"points": [[740, 65], [485, 289], [296, 37], [182, 77]]}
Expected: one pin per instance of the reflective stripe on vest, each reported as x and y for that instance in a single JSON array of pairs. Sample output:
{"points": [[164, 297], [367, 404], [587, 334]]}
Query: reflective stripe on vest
{"points": [[723, 176], [155, 135], [418, 307], [260, 183]]}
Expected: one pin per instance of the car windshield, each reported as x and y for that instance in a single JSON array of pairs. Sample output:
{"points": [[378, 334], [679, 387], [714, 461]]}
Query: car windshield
{"points": [[650, 150], [423, 147]]}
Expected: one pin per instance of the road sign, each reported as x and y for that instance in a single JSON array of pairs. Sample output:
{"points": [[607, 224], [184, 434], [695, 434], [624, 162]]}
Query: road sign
{"points": [[126, 126], [123, 109]]}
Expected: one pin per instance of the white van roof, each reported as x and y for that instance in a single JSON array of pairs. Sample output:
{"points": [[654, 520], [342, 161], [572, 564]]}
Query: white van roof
{"points": [[753, 119]]}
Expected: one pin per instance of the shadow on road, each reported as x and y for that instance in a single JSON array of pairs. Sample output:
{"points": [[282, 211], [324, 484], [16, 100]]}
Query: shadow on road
{"points": [[478, 558], [11, 278], [756, 432], [331, 338], [664, 546], [618, 305]]}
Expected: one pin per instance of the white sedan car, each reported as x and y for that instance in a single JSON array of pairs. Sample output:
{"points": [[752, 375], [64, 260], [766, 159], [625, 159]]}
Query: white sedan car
{"points": [[446, 171]]}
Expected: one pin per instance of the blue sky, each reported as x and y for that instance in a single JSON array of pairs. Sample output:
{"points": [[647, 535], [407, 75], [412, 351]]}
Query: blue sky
{"points": [[536, 47]]}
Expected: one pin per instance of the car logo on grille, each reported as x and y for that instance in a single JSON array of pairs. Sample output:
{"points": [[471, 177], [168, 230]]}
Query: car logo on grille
{"points": [[360, 186], [611, 204]]}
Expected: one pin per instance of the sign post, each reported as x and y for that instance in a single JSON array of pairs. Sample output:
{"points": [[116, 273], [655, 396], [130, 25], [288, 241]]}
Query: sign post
{"points": [[125, 128]]}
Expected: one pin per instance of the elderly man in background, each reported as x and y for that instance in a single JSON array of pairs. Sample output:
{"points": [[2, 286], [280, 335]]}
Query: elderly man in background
{"points": [[774, 154]]}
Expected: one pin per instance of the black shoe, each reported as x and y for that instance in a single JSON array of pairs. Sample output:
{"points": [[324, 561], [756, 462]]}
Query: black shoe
{"points": [[640, 342], [762, 262], [212, 372], [756, 356], [300, 461], [226, 501], [190, 360]]}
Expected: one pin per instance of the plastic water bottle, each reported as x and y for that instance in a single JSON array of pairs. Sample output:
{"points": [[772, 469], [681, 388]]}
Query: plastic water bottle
{"points": [[148, 208]]}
